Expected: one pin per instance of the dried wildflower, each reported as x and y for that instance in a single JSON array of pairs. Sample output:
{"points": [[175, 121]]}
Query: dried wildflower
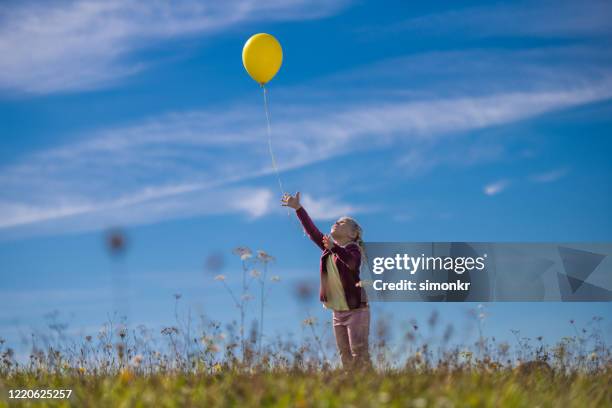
{"points": [[177, 296], [275, 278], [310, 321], [433, 318], [243, 252], [116, 241], [120, 350], [217, 368], [418, 357], [88, 338], [255, 273], [246, 297], [102, 333], [137, 360], [169, 330], [264, 257], [122, 332], [304, 291], [220, 277], [503, 348]]}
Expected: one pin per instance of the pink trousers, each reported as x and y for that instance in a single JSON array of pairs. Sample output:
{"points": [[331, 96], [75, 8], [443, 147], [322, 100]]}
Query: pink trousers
{"points": [[351, 329]]}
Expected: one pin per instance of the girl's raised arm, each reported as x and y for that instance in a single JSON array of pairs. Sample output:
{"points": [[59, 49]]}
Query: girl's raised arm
{"points": [[311, 229]]}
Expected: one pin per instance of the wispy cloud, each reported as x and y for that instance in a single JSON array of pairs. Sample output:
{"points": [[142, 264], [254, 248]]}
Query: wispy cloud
{"points": [[136, 208], [328, 208], [461, 72], [546, 177], [422, 157], [537, 18], [193, 163], [549, 176], [403, 217], [71, 45], [256, 204], [496, 187]]}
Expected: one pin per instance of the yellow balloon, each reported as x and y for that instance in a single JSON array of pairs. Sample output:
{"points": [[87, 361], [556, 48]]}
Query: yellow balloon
{"points": [[262, 57]]}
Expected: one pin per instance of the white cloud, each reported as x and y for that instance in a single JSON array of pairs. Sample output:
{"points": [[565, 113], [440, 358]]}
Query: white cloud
{"points": [[71, 45], [423, 157], [182, 164], [15, 214], [496, 187], [540, 18], [549, 176], [546, 177], [256, 203], [328, 208], [148, 172], [156, 204]]}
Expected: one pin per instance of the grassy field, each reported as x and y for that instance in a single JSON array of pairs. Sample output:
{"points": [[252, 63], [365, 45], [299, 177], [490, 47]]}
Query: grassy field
{"points": [[121, 370], [333, 388]]}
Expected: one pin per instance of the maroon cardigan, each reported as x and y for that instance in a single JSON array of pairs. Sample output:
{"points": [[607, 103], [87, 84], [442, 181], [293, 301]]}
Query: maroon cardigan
{"points": [[347, 260]]}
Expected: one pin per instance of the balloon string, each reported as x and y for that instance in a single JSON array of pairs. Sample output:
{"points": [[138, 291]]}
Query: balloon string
{"points": [[280, 183], [267, 109]]}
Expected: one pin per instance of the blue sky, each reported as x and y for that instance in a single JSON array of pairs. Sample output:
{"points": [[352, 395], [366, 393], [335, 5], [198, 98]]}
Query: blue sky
{"points": [[437, 122]]}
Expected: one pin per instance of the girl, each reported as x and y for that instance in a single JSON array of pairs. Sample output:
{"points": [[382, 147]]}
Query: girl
{"points": [[340, 288]]}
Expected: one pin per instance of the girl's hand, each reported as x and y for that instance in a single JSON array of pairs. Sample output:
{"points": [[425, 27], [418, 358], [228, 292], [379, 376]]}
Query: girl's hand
{"points": [[291, 201], [328, 242]]}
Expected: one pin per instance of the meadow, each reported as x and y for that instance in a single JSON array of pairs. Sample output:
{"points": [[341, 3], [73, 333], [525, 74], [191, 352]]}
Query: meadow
{"points": [[203, 362]]}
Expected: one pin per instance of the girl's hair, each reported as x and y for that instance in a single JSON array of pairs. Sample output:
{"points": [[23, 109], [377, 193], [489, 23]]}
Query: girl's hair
{"points": [[359, 241], [359, 238]]}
